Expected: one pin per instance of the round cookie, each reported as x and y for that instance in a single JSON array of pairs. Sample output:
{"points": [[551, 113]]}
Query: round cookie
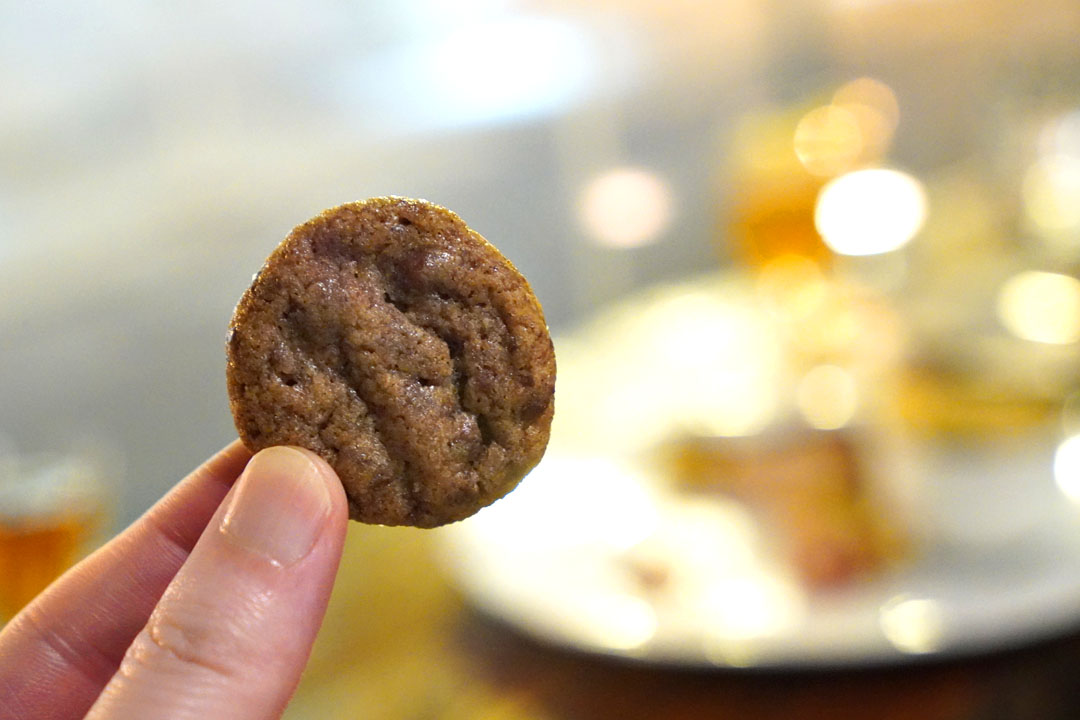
{"points": [[399, 345]]}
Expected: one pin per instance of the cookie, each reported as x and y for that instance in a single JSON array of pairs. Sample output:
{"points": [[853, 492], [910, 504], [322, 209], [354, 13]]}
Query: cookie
{"points": [[403, 348]]}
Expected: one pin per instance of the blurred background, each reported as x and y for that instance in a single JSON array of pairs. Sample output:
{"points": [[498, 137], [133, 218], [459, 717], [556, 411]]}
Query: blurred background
{"points": [[812, 269]]}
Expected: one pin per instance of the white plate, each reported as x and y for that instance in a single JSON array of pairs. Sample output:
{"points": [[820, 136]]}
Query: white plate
{"points": [[585, 555]]}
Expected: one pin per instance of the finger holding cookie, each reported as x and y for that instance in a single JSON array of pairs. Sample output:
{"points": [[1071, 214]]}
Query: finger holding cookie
{"points": [[234, 629]]}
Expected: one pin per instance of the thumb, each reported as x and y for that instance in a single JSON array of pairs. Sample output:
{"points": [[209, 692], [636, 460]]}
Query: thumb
{"points": [[233, 631]]}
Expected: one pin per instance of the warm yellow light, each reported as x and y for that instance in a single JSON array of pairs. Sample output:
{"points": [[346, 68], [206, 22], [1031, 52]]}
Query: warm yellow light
{"points": [[702, 357], [755, 605], [827, 397], [912, 625], [792, 284], [616, 621], [873, 211], [1061, 136], [1051, 189], [719, 361], [1067, 468], [873, 94], [873, 106], [626, 207], [828, 140], [1041, 306]]}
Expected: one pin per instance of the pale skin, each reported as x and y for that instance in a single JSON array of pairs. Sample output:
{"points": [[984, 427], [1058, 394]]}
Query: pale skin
{"points": [[206, 607]]}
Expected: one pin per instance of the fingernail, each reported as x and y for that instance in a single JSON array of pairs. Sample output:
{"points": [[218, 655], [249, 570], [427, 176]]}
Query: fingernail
{"points": [[279, 507]]}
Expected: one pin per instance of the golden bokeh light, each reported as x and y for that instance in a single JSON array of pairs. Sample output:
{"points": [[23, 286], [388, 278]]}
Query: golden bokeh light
{"points": [[700, 357], [756, 605], [828, 140], [794, 285], [626, 207], [1050, 191], [854, 130], [1061, 136], [617, 621], [874, 105], [719, 360], [872, 211], [827, 397], [1067, 467], [1041, 306], [872, 93], [912, 625]]}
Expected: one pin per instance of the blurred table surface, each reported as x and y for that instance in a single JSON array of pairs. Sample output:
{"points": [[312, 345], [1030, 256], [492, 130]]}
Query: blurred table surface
{"points": [[400, 642]]}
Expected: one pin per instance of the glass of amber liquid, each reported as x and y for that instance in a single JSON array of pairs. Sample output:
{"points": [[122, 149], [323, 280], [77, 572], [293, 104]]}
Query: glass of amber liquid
{"points": [[52, 508]]}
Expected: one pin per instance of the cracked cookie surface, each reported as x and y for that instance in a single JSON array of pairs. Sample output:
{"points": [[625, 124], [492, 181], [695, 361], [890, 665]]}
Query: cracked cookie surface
{"points": [[403, 348]]}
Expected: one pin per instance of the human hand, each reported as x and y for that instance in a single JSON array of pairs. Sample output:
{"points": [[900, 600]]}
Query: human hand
{"points": [[206, 607]]}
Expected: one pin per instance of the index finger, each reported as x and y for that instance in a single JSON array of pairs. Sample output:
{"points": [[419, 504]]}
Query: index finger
{"points": [[61, 650]]}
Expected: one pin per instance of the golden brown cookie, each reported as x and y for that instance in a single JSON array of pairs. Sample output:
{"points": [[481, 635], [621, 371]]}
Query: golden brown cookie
{"points": [[399, 345]]}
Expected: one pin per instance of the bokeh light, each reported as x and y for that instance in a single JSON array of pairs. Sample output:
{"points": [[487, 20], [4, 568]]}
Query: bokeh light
{"points": [[544, 65], [720, 366], [702, 358], [539, 65], [1041, 306], [828, 140], [617, 621], [1061, 136], [912, 625], [1067, 467], [827, 397], [626, 207], [875, 108], [794, 285], [1051, 189], [854, 130], [755, 605], [871, 211]]}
